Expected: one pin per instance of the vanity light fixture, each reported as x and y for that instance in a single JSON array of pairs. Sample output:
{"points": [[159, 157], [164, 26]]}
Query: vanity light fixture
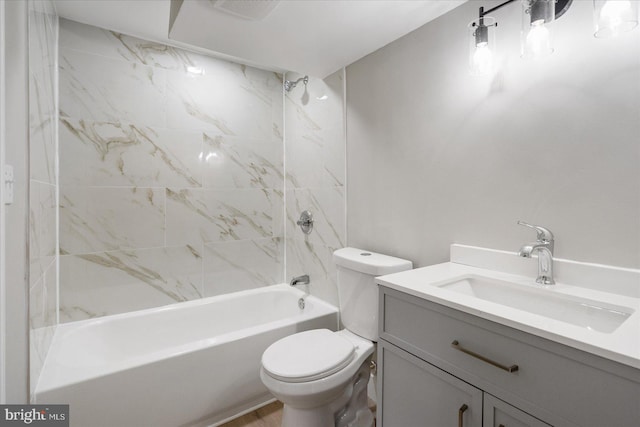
{"points": [[536, 37], [482, 45], [611, 17]]}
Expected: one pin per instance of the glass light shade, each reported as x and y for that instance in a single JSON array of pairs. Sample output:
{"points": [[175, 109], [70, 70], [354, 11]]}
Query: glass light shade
{"points": [[481, 46], [536, 41], [612, 17]]}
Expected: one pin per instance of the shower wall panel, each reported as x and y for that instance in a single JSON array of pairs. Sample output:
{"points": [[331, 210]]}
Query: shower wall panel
{"points": [[315, 164], [43, 182], [171, 174]]}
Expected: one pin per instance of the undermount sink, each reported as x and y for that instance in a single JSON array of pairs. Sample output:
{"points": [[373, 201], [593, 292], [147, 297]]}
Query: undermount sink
{"points": [[582, 312]]}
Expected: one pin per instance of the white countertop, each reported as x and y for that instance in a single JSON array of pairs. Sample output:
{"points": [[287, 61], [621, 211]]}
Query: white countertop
{"points": [[621, 345]]}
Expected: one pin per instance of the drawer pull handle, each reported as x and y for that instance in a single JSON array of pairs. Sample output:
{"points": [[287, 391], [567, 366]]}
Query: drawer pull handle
{"points": [[455, 344], [461, 414]]}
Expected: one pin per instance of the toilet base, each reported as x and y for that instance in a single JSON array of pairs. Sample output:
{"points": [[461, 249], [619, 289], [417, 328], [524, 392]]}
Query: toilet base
{"points": [[349, 409]]}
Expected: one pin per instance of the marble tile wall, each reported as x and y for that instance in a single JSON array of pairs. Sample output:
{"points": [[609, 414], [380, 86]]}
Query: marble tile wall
{"points": [[315, 181], [43, 272], [171, 174]]}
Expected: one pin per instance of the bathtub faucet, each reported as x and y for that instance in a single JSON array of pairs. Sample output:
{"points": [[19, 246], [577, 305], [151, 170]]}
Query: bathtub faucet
{"points": [[300, 279]]}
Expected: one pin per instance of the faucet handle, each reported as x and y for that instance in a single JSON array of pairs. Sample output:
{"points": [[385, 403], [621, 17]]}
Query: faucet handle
{"points": [[544, 235]]}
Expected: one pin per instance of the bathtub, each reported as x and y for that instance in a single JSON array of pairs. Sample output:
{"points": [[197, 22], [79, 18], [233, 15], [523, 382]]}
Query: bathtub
{"points": [[190, 364]]}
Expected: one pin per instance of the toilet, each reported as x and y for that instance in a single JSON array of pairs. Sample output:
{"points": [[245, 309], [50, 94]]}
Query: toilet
{"points": [[322, 376]]}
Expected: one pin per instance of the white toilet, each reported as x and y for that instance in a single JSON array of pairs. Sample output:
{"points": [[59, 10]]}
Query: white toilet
{"points": [[321, 376]]}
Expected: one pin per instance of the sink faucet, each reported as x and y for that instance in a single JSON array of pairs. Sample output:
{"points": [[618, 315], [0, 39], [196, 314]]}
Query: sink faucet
{"points": [[544, 247], [300, 279]]}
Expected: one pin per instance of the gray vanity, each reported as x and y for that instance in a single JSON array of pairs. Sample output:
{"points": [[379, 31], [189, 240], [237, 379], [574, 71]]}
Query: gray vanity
{"points": [[449, 356]]}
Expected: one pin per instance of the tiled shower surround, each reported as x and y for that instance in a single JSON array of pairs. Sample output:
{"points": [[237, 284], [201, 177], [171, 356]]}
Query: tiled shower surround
{"points": [[315, 156], [172, 175], [43, 182]]}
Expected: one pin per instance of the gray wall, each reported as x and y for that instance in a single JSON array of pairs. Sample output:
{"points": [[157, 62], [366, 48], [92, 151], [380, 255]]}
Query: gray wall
{"points": [[435, 156]]}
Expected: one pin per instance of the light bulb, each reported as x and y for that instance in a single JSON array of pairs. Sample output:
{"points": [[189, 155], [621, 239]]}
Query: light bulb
{"points": [[482, 59], [481, 45], [614, 13], [539, 39]]}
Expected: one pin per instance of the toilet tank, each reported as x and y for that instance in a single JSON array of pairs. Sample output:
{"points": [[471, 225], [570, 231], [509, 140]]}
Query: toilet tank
{"points": [[357, 289]]}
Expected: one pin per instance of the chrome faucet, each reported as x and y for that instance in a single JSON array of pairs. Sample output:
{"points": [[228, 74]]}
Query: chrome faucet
{"points": [[300, 279], [544, 247]]}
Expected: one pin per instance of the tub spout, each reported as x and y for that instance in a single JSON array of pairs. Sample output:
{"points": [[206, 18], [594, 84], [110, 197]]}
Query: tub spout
{"points": [[300, 279]]}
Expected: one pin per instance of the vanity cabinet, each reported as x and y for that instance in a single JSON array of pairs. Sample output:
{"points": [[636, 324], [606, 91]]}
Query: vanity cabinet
{"points": [[434, 359], [416, 393], [497, 413]]}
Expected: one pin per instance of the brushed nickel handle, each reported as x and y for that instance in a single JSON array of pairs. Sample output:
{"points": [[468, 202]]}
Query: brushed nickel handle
{"points": [[543, 234], [455, 344], [306, 222], [463, 408]]}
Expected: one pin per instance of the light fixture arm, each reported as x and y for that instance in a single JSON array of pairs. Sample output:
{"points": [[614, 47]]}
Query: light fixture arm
{"points": [[561, 8], [482, 29], [483, 12], [535, 35]]}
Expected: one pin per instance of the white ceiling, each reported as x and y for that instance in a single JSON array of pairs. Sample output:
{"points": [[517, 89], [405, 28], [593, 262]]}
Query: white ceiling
{"points": [[315, 37]]}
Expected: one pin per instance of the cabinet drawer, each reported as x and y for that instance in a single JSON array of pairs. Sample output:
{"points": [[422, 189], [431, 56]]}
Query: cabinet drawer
{"points": [[497, 413], [554, 388]]}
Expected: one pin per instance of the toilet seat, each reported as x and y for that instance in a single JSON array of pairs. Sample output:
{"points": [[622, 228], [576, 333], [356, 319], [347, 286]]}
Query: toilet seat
{"points": [[307, 356]]}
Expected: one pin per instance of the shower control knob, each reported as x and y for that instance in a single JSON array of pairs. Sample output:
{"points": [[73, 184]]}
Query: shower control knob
{"points": [[306, 222]]}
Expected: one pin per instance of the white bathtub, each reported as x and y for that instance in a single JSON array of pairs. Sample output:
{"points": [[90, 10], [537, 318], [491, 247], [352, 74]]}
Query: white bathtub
{"points": [[190, 364]]}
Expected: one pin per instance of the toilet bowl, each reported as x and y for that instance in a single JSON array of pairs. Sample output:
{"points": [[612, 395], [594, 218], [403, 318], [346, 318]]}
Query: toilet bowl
{"points": [[322, 376], [316, 385]]}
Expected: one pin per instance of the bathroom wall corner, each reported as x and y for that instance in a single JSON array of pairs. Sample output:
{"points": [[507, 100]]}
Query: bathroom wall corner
{"points": [[16, 379]]}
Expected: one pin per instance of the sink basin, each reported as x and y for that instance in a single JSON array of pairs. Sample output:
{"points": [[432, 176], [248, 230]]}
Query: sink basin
{"points": [[582, 312]]}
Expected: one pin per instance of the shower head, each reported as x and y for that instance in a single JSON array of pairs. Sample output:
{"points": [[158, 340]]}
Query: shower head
{"points": [[289, 85]]}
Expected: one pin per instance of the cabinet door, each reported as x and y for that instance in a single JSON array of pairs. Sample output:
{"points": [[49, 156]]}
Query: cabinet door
{"points": [[500, 414], [415, 393]]}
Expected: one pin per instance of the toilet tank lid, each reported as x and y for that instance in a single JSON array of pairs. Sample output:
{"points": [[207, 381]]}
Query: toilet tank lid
{"points": [[369, 262]]}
